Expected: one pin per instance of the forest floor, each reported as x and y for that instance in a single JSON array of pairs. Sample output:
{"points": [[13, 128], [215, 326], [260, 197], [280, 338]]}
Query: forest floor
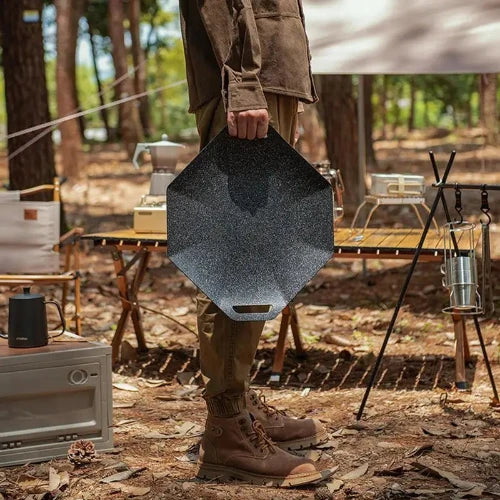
{"points": [[419, 437]]}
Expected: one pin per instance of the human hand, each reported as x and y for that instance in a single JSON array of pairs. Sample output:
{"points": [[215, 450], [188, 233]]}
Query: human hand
{"points": [[248, 124]]}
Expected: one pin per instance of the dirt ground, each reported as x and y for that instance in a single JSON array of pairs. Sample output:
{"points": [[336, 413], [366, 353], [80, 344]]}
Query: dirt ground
{"points": [[419, 437]]}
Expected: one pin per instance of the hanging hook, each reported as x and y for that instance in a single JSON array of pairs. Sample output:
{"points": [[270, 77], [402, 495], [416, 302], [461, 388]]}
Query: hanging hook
{"points": [[458, 203], [485, 207]]}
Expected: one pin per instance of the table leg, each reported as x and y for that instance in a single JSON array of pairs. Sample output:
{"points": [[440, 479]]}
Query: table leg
{"points": [[279, 352], [121, 280], [130, 302], [136, 312], [297, 340]]}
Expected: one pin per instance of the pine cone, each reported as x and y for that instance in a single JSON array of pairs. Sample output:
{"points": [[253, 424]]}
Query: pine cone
{"points": [[322, 493], [81, 452]]}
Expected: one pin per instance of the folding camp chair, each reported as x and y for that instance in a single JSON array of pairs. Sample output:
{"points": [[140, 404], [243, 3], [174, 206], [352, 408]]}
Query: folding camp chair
{"points": [[30, 245]]}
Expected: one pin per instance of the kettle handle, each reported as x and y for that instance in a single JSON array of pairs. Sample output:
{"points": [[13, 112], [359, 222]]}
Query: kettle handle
{"points": [[61, 315], [140, 148]]}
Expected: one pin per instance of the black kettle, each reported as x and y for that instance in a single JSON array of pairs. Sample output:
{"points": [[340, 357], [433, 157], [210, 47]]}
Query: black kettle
{"points": [[28, 320]]}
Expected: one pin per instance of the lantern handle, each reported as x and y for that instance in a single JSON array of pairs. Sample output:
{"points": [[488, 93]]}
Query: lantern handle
{"points": [[485, 206]]}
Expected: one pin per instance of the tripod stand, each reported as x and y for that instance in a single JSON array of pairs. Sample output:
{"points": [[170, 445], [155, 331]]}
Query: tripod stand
{"points": [[441, 185]]}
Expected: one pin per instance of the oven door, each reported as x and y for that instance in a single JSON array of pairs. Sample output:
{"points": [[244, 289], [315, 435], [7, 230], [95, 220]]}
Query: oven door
{"points": [[50, 404]]}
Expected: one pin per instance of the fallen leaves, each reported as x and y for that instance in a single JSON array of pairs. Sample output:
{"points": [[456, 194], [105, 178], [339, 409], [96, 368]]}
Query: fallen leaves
{"points": [[122, 386], [58, 481], [123, 404], [419, 450], [331, 338], [356, 473], [122, 476], [469, 486], [132, 491], [185, 430], [50, 484], [335, 485]]}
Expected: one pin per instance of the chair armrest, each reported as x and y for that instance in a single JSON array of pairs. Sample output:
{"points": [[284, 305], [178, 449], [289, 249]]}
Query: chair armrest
{"points": [[71, 236]]}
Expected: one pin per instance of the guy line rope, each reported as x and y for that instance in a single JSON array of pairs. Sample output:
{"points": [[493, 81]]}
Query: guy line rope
{"points": [[85, 112]]}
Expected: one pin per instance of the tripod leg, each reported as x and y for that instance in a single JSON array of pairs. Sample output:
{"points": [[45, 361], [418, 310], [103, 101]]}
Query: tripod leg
{"points": [[279, 352], [486, 360], [439, 197], [398, 305]]}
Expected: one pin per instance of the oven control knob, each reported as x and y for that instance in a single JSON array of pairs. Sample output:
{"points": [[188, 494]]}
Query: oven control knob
{"points": [[78, 377]]}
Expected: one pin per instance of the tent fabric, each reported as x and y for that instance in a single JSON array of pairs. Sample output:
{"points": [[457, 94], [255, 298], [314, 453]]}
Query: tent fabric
{"points": [[403, 37]]}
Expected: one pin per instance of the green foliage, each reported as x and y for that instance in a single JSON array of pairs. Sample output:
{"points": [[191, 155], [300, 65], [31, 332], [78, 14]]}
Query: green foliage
{"points": [[169, 107], [447, 101]]}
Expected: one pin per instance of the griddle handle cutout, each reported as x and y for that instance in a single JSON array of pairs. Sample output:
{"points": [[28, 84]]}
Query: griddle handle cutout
{"points": [[261, 308], [255, 312]]}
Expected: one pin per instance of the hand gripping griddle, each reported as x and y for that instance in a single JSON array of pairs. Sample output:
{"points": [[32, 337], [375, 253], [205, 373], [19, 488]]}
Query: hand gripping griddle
{"points": [[250, 223]]}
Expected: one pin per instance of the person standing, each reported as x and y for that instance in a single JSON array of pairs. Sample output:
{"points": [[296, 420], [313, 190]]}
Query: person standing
{"points": [[248, 66]]}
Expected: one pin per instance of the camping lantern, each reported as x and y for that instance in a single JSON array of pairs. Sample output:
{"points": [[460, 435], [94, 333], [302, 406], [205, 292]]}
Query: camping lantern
{"points": [[460, 268]]}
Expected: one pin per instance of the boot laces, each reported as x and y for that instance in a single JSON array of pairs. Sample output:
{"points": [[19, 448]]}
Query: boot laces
{"points": [[266, 407], [258, 437]]}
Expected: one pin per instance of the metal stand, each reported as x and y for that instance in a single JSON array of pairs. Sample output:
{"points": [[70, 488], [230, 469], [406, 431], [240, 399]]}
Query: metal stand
{"points": [[441, 185], [377, 201]]}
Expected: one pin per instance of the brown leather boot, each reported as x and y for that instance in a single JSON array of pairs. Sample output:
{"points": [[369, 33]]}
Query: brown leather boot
{"points": [[288, 433], [237, 447]]}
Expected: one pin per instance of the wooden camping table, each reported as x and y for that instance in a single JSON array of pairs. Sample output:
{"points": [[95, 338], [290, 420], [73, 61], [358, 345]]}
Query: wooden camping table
{"points": [[381, 243]]}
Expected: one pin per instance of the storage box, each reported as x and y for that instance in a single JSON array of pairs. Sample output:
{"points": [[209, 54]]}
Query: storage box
{"points": [[150, 219], [52, 396]]}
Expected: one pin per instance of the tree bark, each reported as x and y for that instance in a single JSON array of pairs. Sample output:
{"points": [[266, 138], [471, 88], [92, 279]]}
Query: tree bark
{"points": [[130, 124], [338, 110], [411, 116], [103, 112], [488, 106], [426, 111], [26, 94], [371, 160], [68, 17], [312, 140], [139, 59], [395, 107], [383, 106]]}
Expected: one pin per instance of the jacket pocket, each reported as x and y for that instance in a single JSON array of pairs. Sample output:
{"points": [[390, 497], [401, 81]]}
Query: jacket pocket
{"points": [[276, 8]]}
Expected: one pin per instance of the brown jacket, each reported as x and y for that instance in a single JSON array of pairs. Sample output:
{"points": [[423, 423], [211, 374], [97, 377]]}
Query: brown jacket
{"points": [[245, 48]]}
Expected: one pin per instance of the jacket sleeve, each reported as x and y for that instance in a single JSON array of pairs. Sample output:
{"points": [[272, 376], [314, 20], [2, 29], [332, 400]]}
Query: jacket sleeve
{"points": [[241, 88]]}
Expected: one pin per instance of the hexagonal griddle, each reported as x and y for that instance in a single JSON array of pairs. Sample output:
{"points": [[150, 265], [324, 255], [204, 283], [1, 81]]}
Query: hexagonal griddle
{"points": [[250, 222]]}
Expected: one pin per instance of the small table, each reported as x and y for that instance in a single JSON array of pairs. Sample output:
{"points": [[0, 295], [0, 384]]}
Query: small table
{"points": [[369, 243]]}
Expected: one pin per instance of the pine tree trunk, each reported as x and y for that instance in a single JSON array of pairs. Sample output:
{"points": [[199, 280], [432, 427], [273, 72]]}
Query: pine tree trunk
{"points": [[338, 110], [68, 17], [312, 140], [396, 109], [130, 124], [26, 94], [426, 112], [383, 107], [103, 112], [488, 106], [371, 160], [139, 59], [411, 116]]}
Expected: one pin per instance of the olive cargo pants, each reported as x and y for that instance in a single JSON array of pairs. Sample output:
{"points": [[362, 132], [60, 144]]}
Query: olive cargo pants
{"points": [[227, 347]]}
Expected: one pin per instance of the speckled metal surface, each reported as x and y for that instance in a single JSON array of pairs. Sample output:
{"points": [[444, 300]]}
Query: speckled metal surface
{"points": [[250, 222]]}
